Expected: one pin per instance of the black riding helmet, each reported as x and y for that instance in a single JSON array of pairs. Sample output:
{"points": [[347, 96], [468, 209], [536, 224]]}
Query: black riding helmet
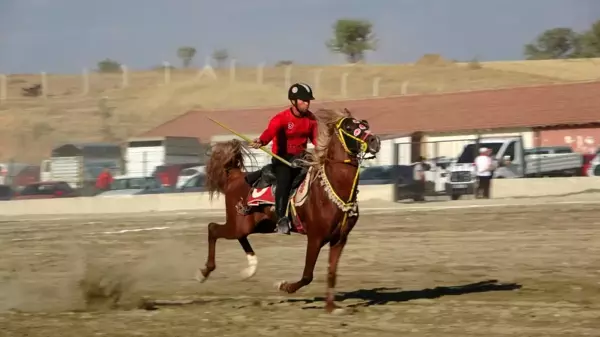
{"points": [[301, 91]]}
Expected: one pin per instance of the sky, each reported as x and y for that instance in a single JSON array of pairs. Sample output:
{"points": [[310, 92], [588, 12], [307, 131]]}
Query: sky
{"points": [[64, 36]]}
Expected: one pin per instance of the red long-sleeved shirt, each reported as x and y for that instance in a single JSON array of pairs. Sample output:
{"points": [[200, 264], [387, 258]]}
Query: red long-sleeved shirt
{"points": [[104, 180], [290, 134]]}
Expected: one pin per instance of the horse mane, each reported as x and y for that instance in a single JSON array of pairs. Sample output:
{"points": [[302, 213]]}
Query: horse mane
{"points": [[326, 119], [224, 156]]}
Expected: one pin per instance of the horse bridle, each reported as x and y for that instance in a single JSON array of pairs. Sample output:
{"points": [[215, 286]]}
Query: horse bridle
{"points": [[344, 136]]}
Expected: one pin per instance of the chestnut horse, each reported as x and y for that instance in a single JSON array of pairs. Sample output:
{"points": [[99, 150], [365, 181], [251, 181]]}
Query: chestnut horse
{"points": [[326, 212]]}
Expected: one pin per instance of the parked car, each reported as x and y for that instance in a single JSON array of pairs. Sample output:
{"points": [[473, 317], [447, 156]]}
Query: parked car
{"points": [[6, 192], [187, 174], [593, 168], [381, 175], [400, 175], [127, 186], [18, 175], [46, 190], [168, 174], [195, 184]]}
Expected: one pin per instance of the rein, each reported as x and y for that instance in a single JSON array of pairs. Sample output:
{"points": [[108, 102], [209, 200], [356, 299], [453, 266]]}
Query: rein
{"points": [[350, 207]]}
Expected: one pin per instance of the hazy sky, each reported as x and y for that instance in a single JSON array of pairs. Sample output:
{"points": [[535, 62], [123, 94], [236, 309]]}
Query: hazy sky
{"points": [[67, 35]]}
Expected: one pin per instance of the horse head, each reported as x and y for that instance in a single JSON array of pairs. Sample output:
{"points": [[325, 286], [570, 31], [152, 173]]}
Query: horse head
{"points": [[356, 137], [345, 138]]}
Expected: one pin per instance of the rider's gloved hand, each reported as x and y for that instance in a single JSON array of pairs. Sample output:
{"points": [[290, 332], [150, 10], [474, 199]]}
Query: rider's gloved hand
{"points": [[255, 144]]}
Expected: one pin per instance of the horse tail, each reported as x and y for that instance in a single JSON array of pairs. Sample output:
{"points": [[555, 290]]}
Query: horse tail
{"points": [[224, 157]]}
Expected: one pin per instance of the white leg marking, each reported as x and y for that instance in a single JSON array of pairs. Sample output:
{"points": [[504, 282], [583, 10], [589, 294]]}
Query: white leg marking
{"points": [[199, 277], [251, 269], [278, 285]]}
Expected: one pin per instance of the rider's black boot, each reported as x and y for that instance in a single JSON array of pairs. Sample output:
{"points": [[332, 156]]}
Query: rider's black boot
{"points": [[283, 223]]}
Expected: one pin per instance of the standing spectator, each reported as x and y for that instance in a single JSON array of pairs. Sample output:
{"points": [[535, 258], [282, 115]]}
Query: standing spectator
{"points": [[484, 168], [103, 181], [163, 177], [419, 169]]}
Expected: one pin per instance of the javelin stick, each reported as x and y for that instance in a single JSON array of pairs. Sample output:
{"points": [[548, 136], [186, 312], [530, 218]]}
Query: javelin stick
{"points": [[250, 141]]}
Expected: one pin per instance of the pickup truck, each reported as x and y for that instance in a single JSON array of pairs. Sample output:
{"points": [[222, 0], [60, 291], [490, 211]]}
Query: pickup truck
{"points": [[512, 161]]}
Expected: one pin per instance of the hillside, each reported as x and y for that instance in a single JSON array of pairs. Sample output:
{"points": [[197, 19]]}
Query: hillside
{"points": [[30, 127]]}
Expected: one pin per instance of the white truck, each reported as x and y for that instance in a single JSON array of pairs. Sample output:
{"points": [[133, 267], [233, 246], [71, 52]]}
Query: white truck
{"points": [[144, 154], [512, 161], [80, 164]]}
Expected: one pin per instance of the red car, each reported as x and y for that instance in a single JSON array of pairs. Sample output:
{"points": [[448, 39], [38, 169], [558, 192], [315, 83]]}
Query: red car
{"points": [[46, 190], [167, 174], [587, 162]]}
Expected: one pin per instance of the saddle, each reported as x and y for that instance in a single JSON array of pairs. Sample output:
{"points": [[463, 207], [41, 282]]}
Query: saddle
{"points": [[265, 177], [262, 192]]}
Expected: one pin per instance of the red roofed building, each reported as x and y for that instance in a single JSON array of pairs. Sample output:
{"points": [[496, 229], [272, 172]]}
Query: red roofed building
{"points": [[543, 115]]}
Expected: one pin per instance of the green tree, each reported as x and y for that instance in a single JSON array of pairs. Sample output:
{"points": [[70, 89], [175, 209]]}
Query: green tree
{"points": [[555, 43], [186, 54], [109, 66], [352, 38], [284, 63], [220, 56], [590, 41]]}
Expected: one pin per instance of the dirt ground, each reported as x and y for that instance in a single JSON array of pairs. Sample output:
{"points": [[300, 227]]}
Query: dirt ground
{"points": [[519, 270]]}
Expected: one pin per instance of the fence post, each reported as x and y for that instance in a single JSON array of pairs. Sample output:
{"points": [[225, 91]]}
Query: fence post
{"points": [[344, 85], [44, 84], [260, 74], [436, 155], [207, 70], [144, 164], [404, 88], [3, 87], [376, 86], [167, 72], [85, 82], [317, 79], [395, 161], [288, 76], [125, 76], [232, 71]]}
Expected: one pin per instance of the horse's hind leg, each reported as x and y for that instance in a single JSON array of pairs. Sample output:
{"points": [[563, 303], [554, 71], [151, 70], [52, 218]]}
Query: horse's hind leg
{"points": [[249, 271], [215, 231]]}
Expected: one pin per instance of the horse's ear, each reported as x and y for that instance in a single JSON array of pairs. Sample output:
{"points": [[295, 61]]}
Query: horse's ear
{"points": [[347, 112]]}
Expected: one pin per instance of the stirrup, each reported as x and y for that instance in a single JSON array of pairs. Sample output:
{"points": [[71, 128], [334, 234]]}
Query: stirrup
{"points": [[284, 226]]}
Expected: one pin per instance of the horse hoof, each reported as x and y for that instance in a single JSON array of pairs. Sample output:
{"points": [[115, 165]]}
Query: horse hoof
{"points": [[279, 285], [248, 272], [200, 276], [335, 310], [338, 311]]}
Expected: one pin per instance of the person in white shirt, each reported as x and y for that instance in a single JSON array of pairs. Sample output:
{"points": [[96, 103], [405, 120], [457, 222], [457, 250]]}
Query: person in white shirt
{"points": [[419, 169], [484, 167]]}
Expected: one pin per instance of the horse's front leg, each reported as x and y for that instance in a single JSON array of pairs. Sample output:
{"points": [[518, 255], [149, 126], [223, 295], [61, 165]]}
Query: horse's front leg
{"points": [[335, 252], [312, 253]]}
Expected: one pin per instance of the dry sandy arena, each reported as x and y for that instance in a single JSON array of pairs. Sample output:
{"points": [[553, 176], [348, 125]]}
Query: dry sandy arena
{"points": [[404, 272]]}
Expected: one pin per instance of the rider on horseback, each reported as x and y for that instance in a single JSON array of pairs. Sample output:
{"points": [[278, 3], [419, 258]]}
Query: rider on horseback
{"points": [[290, 131]]}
